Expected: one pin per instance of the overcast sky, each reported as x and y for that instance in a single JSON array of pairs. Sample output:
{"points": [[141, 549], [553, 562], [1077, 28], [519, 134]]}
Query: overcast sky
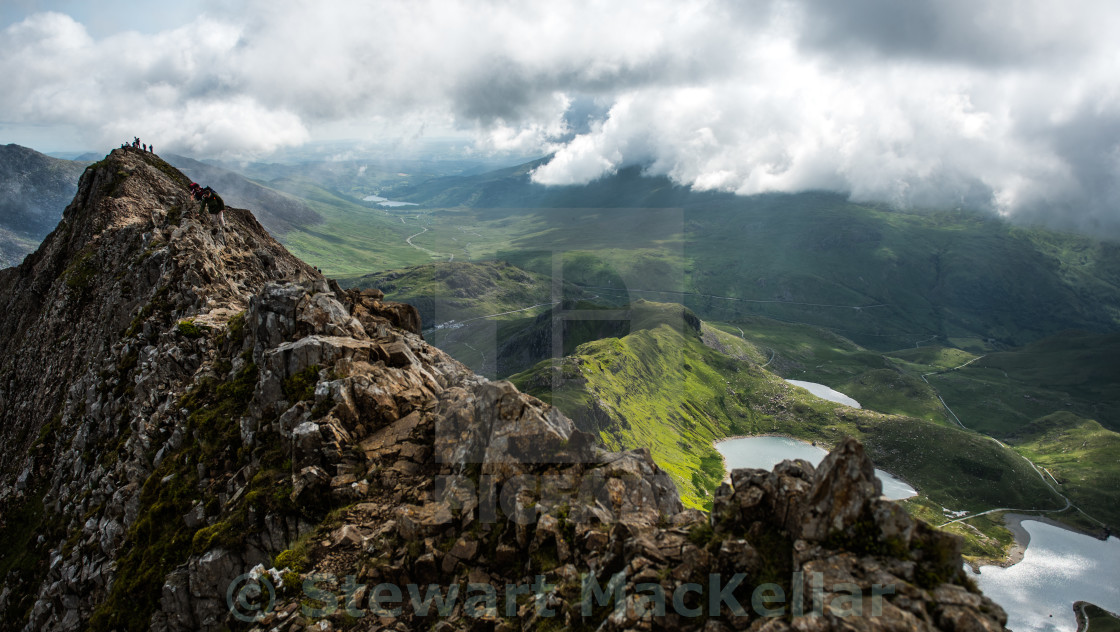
{"points": [[1010, 105]]}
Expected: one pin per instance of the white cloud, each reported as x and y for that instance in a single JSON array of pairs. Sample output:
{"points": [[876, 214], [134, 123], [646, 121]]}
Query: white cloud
{"points": [[1010, 104]]}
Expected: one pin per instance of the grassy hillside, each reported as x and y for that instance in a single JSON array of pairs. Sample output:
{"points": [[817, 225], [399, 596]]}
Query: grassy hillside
{"points": [[491, 316], [664, 389], [354, 238], [658, 388], [461, 290], [1001, 392], [1096, 619], [499, 319], [967, 279], [877, 381], [1082, 456]]}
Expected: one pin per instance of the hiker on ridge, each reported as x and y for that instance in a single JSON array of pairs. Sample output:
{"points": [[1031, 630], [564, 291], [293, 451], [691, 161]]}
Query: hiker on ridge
{"points": [[212, 202]]}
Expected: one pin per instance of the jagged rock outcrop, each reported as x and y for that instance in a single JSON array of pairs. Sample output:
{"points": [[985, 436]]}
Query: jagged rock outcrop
{"points": [[203, 433]]}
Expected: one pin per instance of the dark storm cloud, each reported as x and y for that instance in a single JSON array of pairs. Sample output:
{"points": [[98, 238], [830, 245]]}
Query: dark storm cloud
{"points": [[1088, 143], [982, 32]]}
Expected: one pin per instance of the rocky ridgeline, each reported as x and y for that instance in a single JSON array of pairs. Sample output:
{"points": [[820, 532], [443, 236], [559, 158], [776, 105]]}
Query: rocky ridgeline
{"points": [[202, 433]]}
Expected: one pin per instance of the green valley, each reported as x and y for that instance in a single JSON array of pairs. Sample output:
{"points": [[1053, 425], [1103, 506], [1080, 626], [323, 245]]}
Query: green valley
{"points": [[884, 278], [662, 388], [944, 325]]}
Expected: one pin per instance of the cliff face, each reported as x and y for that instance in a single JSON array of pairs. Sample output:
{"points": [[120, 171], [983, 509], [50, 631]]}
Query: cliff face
{"points": [[200, 432]]}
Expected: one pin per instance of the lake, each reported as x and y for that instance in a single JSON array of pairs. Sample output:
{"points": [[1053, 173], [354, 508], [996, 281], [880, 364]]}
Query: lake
{"points": [[1058, 568], [824, 392], [766, 452], [386, 201]]}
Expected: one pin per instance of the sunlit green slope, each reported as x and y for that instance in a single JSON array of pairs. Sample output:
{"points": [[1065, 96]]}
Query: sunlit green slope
{"points": [[664, 389]]}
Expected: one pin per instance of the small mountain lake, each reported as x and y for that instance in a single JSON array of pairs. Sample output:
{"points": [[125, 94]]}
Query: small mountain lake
{"points": [[766, 452], [824, 392], [380, 201], [1058, 568]]}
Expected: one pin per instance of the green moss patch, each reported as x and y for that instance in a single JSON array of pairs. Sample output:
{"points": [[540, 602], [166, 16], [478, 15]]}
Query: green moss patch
{"points": [[189, 329], [301, 386], [80, 276]]}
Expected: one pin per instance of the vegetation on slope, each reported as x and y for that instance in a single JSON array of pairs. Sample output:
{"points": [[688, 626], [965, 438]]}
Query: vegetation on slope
{"points": [[1072, 372], [354, 238], [461, 290], [1095, 619], [1082, 456], [499, 319], [663, 389], [161, 537], [994, 394], [878, 382]]}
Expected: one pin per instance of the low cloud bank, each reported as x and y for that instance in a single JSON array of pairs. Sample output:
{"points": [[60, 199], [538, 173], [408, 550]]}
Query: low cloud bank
{"points": [[1010, 106]]}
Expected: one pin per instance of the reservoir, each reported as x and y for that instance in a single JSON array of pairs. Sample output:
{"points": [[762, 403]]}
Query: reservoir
{"points": [[766, 452], [380, 201], [1058, 568], [824, 392]]}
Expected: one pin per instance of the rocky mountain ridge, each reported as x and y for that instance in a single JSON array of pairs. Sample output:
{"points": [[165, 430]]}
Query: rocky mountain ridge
{"points": [[200, 432]]}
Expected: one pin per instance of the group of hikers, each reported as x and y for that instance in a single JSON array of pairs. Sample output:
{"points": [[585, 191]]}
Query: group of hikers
{"points": [[138, 145], [211, 201]]}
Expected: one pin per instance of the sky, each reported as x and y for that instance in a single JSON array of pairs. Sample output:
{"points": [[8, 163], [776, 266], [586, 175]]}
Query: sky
{"points": [[1009, 105]]}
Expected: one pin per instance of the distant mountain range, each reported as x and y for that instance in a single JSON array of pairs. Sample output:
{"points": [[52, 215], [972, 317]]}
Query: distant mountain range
{"points": [[875, 274], [34, 190], [884, 278]]}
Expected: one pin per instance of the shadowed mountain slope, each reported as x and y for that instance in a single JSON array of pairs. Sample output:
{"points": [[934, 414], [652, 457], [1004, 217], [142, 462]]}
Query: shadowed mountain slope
{"points": [[34, 189]]}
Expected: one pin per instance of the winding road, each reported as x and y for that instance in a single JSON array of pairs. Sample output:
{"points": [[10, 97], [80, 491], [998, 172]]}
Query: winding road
{"points": [[1037, 470], [744, 337], [408, 240], [942, 399], [458, 323], [731, 298]]}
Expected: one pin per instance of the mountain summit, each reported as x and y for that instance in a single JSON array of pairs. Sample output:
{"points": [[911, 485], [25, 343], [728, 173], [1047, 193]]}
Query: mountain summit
{"points": [[201, 432]]}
